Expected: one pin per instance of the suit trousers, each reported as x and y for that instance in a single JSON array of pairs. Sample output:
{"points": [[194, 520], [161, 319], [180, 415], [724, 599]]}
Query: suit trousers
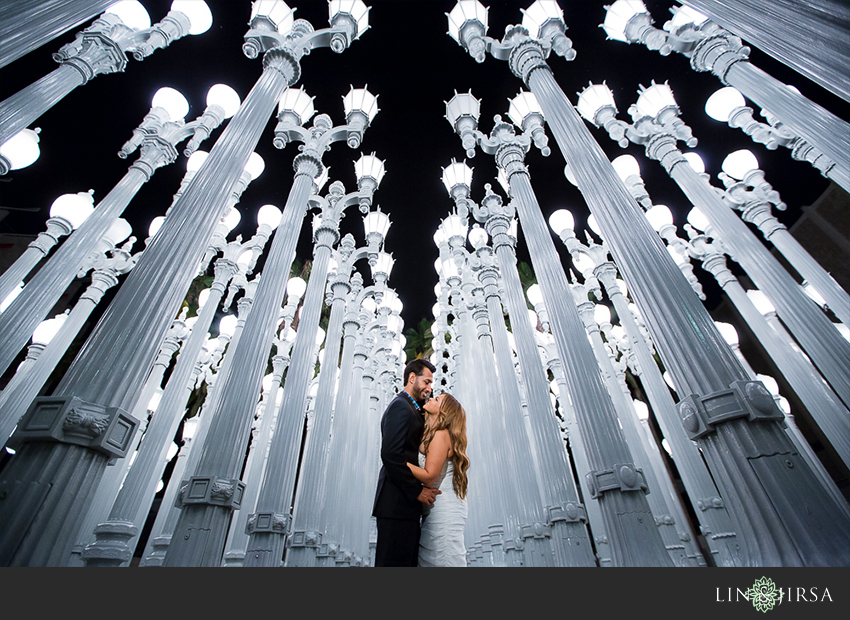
{"points": [[398, 542]]}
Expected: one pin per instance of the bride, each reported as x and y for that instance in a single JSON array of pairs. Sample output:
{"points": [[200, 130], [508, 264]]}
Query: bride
{"points": [[443, 465]]}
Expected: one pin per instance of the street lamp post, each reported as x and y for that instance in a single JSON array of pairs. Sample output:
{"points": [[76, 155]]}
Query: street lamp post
{"points": [[748, 192], [711, 511], [618, 485], [101, 48], [690, 345], [711, 48], [156, 139], [66, 213], [728, 105]]}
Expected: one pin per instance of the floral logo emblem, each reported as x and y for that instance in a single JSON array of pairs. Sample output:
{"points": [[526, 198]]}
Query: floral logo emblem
{"points": [[764, 594]]}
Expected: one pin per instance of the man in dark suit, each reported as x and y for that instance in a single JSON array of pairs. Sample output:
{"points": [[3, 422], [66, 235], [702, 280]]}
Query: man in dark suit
{"points": [[400, 497]]}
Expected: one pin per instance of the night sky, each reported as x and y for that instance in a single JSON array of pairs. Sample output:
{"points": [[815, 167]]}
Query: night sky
{"points": [[408, 60]]}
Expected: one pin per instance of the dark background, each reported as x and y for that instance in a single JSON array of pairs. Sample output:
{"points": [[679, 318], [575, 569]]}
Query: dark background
{"points": [[408, 60]]}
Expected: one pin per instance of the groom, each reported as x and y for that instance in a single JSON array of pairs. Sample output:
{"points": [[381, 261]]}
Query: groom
{"points": [[400, 497]]}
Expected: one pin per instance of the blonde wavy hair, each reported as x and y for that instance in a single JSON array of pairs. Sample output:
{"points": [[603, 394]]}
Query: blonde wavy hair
{"points": [[452, 418]]}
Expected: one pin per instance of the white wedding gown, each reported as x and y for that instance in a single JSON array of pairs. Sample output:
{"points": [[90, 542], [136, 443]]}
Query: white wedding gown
{"points": [[441, 541]]}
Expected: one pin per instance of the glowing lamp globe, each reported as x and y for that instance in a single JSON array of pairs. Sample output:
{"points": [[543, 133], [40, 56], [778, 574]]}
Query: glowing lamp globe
{"points": [[602, 314], [720, 105], [232, 219], [200, 17], [728, 331], [626, 166], [155, 225], [478, 237], [227, 325], [561, 221], [46, 330], [535, 295], [653, 100], [539, 14], [269, 215], [118, 232], [376, 223], [369, 166], [761, 302], [224, 96], [697, 219], [203, 297], [296, 287], [695, 162], [196, 160], [74, 208], [522, 106], [21, 150], [739, 163], [685, 16], [131, 13], [641, 409], [463, 105], [593, 225], [659, 217], [172, 101]]}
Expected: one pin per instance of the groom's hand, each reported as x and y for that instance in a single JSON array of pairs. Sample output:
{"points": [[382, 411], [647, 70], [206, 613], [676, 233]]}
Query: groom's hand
{"points": [[427, 496]]}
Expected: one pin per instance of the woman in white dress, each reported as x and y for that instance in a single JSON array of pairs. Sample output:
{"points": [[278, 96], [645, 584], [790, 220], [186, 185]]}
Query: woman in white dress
{"points": [[443, 465]]}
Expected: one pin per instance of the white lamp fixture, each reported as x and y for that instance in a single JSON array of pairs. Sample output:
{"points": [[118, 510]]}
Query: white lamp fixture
{"points": [[298, 103], [131, 13], [522, 106], [729, 333], [761, 302], [20, 151], [593, 225], [659, 217], [602, 314], [73, 208], [224, 96], [720, 105], [626, 166], [463, 12], [683, 16], [232, 219], [354, 9], [227, 325], [360, 100], [376, 223], [653, 100], [384, 265], [46, 330], [478, 237], [641, 409], [269, 215], [562, 221], [453, 226], [534, 294], [535, 17], [695, 162], [457, 174], [155, 225], [617, 17], [593, 99], [172, 101], [371, 167], [255, 166], [697, 219], [203, 296], [275, 11], [463, 105], [118, 232], [200, 17], [739, 163], [196, 160]]}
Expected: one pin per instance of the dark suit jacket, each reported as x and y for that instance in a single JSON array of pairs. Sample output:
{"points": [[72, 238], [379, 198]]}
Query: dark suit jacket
{"points": [[401, 434]]}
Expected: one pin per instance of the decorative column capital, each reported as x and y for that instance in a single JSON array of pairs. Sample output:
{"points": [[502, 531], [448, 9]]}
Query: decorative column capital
{"points": [[718, 52], [527, 55]]}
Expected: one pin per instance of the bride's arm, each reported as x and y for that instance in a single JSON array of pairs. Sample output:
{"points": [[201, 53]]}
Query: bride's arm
{"points": [[438, 452]]}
